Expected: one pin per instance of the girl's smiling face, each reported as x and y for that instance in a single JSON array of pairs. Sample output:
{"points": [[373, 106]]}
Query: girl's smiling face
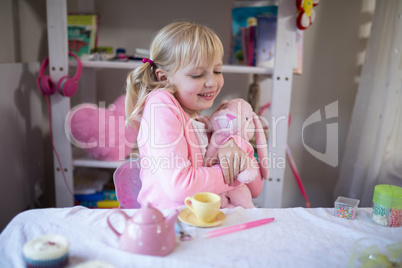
{"points": [[197, 85]]}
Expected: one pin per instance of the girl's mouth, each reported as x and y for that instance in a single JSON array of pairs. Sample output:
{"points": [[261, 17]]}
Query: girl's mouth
{"points": [[206, 95]]}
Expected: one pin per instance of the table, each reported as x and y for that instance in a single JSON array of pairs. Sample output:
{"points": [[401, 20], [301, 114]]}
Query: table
{"points": [[298, 237]]}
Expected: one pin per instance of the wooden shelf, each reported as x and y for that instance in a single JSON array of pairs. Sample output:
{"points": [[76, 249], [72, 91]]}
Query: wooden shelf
{"points": [[134, 64]]}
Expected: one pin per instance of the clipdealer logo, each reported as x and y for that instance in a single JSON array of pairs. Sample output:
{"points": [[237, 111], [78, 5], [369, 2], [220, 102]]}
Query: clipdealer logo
{"points": [[330, 156]]}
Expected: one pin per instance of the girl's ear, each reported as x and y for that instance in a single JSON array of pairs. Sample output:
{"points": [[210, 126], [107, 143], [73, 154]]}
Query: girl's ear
{"points": [[160, 75]]}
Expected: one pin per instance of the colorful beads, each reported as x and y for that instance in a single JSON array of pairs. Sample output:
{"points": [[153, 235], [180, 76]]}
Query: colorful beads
{"points": [[381, 220], [386, 216], [380, 210], [387, 205], [345, 211], [346, 207], [395, 219]]}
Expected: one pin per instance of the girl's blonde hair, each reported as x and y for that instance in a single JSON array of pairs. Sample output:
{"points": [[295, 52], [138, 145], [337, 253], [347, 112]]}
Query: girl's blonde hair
{"points": [[175, 46]]}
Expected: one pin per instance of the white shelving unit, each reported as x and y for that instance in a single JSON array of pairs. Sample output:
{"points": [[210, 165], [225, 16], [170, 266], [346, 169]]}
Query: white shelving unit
{"points": [[281, 92]]}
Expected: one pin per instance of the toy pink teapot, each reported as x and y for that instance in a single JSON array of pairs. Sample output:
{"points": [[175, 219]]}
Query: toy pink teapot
{"points": [[147, 232]]}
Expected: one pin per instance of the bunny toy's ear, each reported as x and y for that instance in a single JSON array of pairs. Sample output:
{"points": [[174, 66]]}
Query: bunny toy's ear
{"points": [[262, 147]]}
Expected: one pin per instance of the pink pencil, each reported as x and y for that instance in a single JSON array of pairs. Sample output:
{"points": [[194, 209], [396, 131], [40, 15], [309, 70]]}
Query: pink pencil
{"points": [[238, 227]]}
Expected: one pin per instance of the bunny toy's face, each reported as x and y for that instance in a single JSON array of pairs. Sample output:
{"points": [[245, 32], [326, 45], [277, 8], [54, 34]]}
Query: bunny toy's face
{"points": [[235, 119]]}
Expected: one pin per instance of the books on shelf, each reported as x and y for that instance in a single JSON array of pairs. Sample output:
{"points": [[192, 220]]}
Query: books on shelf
{"points": [[249, 45], [266, 33], [82, 33], [244, 28], [254, 35]]}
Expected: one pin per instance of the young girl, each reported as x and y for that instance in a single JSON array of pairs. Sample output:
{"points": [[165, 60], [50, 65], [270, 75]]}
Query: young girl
{"points": [[181, 78]]}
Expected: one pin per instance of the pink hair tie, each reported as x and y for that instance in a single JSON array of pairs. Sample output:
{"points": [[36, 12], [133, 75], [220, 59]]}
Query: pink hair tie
{"points": [[145, 60]]}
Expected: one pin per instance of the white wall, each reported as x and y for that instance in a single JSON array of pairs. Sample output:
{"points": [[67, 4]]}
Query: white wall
{"points": [[23, 36], [22, 160], [333, 55], [25, 158], [8, 34], [333, 52]]}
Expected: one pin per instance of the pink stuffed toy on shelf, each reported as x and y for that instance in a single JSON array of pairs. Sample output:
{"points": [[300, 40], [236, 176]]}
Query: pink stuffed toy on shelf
{"points": [[101, 132], [235, 118]]}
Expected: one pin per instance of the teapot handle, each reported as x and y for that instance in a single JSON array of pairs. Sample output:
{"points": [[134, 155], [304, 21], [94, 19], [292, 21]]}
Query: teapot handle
{"points": [[110, 224]]}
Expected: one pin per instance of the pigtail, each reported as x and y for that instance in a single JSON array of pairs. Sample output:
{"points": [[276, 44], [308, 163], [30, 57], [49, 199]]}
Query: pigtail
{"points": [[139, 84]]}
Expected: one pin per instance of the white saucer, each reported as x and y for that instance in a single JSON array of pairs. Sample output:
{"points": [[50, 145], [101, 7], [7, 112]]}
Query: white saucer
{"points": [[188, 217]]}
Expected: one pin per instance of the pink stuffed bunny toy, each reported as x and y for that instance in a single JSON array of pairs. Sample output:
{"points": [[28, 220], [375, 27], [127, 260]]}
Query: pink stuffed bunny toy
{"points": [[236, 118], [101, 132]]}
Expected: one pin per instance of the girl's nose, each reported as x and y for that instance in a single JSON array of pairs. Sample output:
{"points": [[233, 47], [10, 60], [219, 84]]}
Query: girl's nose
{"points": [[211, 82]]}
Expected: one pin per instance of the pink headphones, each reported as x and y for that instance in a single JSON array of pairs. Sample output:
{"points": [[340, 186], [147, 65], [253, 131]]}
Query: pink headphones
{"points": [[66, 86]]}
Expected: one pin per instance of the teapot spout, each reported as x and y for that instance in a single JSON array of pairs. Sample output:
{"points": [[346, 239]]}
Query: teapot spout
{"points": [[171, 218]]}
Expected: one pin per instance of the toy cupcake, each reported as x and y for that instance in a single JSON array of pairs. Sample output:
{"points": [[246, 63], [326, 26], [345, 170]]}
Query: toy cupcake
{"points": [[46, 251]]}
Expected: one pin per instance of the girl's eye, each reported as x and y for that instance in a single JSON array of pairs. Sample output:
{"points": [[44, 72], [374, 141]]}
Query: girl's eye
{"points": [[217, 72], [196, 76]]}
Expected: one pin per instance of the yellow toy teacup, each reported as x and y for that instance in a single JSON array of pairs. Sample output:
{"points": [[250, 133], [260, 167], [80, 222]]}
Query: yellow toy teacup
{"points": [[204, 205]]}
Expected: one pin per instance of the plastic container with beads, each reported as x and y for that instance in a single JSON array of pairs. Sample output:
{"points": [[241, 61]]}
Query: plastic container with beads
{"points": [[346, 207], [387, 205]]}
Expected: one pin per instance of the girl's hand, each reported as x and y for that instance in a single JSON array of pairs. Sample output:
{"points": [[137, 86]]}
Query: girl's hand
{"points": [[232, 159]]}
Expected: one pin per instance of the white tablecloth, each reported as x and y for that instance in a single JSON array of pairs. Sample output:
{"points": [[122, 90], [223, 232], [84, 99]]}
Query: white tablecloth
{"points": [[298, 237]]}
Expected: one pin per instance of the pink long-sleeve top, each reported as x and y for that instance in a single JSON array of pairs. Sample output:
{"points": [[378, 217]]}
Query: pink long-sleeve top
{"points": [[171, 158]]}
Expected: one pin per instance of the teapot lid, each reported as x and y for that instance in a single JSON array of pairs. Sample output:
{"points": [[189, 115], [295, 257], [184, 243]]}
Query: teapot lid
{"points": [[148, 215]]}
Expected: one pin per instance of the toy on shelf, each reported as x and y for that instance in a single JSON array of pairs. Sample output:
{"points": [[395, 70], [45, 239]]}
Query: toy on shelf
{"points": [[235, 118], [306, 13], [121, 55], [101, 132], [95, 189]]}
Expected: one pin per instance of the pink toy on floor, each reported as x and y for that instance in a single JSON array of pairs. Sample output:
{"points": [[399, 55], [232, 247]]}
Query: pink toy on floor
{"points": [[236, 118]]}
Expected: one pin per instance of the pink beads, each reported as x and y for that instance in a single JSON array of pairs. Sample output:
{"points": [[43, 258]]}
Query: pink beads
{"points": [[395, 219]]}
